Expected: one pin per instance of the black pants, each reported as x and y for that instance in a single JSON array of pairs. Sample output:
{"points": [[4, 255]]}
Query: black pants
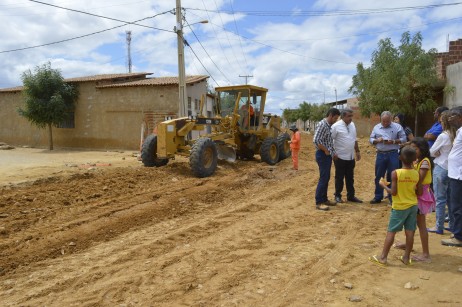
{"points": [[344, 169]]}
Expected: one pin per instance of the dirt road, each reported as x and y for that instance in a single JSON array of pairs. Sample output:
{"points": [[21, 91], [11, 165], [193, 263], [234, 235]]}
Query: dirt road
{"points": [[126, 235]]}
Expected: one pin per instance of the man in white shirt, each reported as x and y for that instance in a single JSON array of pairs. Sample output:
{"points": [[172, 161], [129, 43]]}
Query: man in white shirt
{"points": [[455, 179], [346, 146]]}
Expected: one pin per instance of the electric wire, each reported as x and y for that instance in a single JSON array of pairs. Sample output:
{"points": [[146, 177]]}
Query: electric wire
{"points": [[334, 12], [207, 52], [227, 37], [90, 34], [218, 39], [187, 44], [237, 31], [103, 17]]}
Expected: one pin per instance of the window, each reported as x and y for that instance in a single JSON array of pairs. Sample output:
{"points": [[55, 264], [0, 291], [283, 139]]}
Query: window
{"points": [[189, 106]]}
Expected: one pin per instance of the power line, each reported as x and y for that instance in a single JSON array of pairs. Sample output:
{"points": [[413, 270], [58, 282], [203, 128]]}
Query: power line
{"points": [[237, 31], [103, 17], [90, 34], [334, 12], [187, 44], [207, 52]]}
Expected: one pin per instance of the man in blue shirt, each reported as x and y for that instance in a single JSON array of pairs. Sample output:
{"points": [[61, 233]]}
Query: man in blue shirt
{"points": [[436, 129], [386, 136]]}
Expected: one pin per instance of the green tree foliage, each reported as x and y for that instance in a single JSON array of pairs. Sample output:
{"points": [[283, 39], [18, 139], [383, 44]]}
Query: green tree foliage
{"points": [[399, 79], [48, 99], [306, 112]]}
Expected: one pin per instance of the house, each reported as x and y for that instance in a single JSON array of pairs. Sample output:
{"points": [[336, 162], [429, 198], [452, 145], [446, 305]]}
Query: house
{"points": [[113, 111]]}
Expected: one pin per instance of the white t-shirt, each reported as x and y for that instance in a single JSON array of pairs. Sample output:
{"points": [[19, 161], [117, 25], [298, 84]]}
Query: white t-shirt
{"points": [[455, 157], [442, 145], [344, 137]]}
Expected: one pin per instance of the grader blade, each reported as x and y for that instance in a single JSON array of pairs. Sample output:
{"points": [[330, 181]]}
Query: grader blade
{"points": [[227, 153]]}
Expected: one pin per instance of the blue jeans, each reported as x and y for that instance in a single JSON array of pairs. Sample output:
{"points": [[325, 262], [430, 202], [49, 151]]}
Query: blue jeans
{"points": [[384, 163], [324, 162], [441, 189], [455, 206]]}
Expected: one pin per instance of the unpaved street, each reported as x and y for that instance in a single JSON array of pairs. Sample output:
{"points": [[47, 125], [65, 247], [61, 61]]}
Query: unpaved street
{"points": [[126, 235]]}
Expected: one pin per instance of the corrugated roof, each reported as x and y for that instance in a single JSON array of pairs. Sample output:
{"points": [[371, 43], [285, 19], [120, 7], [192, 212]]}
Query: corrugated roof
{"points": [[107, 77], [157, 81]]}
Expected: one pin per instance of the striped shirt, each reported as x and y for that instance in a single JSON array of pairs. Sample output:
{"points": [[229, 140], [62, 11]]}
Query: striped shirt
{"points": [[323, 136]]}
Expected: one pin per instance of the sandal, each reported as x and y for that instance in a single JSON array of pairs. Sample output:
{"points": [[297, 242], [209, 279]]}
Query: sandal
{"points": [[376, 261]]}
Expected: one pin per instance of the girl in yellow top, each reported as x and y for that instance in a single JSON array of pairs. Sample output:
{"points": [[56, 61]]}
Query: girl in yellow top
{"points": [[426, 201], [405, 187]]}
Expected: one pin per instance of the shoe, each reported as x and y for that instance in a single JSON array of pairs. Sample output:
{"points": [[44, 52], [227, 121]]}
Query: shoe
{"points": [[434, 230], [354, 199], [452, 242], [375, 201], [338, 199], [322, 207], [329, 203], [448, 229]]}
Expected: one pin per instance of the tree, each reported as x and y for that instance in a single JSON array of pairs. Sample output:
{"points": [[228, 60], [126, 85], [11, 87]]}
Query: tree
{"points": [[48, 99], [399, 79]]}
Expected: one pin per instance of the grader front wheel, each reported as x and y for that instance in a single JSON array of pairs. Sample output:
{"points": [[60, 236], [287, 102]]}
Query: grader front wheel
{"points": [[149, 152], [203, 158]]}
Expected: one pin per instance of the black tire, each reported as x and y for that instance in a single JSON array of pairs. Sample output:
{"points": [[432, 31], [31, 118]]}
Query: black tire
{"points": [[269, 151], [149, 152], [284, 146], [204, 157]]}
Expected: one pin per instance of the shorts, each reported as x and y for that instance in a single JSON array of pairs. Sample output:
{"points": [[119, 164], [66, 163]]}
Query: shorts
{"points": [[403, 218]]}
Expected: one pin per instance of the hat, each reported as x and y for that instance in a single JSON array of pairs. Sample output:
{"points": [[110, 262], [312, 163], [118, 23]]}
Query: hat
{"points": [[293, 128]]}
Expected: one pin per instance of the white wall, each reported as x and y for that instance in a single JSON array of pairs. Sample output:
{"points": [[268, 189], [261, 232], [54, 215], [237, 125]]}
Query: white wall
{"points": [[454, 78]]}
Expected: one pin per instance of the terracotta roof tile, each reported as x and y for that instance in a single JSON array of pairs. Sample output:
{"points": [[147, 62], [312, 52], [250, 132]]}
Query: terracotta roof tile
{"points": [[141, 82], [157, 81], [11, 89], [107, 77]]}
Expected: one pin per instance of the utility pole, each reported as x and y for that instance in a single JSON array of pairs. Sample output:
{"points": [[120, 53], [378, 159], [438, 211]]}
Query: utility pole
{"points": [[246, 77], [129, 55], [182, 103]]}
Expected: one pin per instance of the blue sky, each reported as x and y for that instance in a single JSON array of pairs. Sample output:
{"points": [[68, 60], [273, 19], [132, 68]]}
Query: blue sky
{"points": [[299, 50]]}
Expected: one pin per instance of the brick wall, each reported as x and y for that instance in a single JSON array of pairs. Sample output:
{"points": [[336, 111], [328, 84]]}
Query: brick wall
{"points": [[453, 56]]}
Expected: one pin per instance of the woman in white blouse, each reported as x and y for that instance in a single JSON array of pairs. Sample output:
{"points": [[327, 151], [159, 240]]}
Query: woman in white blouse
{"points": [[440, 150]]}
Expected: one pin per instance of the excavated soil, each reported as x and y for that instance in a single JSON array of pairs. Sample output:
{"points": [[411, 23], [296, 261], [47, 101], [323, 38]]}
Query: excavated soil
{"points": [[99, 229]]}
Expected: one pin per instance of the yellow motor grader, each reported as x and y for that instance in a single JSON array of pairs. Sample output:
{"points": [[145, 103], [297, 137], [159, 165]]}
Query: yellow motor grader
{"points": [[240, 129]]}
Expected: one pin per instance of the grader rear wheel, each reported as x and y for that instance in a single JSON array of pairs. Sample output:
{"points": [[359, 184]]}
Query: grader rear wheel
{"points": [[269, 151], [284, 146], [203, 158]]}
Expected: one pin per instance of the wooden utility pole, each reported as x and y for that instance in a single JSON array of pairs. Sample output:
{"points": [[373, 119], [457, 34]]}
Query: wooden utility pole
{"points": [[182, 103], [246, 77]]}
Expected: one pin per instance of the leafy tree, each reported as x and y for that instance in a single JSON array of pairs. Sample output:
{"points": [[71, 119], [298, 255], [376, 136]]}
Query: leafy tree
{"points": [[49, 100], [399, 79]]}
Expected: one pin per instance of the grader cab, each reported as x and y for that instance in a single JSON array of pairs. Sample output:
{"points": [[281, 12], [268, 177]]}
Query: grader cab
{"points": [[240, 129]]}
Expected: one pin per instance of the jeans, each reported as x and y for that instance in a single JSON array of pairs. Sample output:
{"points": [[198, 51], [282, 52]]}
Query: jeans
{"points": [[385, 162], [344, 169], [324, 163], [441, 189], [455, 206]]}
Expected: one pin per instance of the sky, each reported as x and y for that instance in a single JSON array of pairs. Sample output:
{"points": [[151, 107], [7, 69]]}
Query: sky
{"points": [[299, 50]]}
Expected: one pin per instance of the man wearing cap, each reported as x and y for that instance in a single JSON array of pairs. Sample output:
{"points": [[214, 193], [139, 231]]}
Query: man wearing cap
{"points": [[295, 145], [346, 146]]}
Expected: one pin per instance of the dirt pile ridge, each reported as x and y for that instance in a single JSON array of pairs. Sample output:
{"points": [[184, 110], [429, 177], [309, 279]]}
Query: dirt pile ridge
{"points": [[249, 235]]}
